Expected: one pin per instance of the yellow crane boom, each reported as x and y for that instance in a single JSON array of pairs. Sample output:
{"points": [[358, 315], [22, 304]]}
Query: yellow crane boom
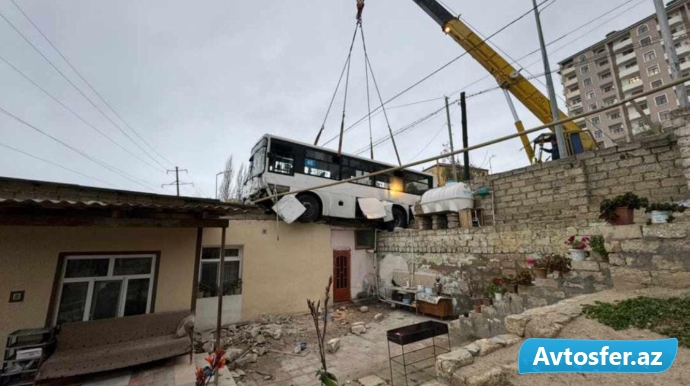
{"points": [[507, 77]]}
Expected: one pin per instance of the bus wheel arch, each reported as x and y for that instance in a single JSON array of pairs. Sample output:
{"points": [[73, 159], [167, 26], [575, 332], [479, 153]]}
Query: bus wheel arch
{"points": [[400, 216], [313, 204]]}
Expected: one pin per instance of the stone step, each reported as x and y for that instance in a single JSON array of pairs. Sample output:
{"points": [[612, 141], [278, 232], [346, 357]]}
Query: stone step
{"points": [[451, 368]]}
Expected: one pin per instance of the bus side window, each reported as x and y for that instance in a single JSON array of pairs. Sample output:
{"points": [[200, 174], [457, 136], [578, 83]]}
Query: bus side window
{"points": [[321, 164], [281, 159]]}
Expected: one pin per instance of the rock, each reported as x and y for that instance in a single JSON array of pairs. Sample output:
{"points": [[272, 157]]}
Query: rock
{"points": [[267, 377], [378, 317], [515, 324], [542, 328], [358, 329], [209, 347], [234, 374], [495, 376], [240, 372], [506, 339], [247, 359], [233, 353], [487, 346], [260, 339], [473, 349], [255, 331], [371, 380], [297, 349], [333, 345], [260, 350], [448, 364], [364, 309]]}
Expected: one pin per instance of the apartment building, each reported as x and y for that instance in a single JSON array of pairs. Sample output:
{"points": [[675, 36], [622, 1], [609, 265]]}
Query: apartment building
{"points": [[626, 63]]}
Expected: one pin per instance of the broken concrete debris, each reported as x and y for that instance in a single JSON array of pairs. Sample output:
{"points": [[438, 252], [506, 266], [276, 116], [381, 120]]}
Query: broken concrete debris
{"points": [[378, 317], [364, 309], [358, 328], [333, 345]]}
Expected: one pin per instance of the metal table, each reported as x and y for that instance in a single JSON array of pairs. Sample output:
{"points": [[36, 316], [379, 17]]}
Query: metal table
{"points": [[415, 333]]}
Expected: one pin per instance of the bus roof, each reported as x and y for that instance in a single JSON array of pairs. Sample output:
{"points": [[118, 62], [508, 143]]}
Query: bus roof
{"points": [[346, 154]]}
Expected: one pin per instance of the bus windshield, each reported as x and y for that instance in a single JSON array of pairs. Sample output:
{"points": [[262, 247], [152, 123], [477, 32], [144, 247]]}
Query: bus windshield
{"points": [[257, 163]]}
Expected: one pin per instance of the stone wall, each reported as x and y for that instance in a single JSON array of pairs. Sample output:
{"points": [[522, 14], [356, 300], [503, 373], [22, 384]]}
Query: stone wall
{"points": [[570, 190]]}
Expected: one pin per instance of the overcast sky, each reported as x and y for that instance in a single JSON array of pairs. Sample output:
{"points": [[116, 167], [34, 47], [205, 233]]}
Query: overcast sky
{"points": [[203, 80]]}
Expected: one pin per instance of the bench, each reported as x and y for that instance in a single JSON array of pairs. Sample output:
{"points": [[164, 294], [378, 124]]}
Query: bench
{"points": [[116, 343]]}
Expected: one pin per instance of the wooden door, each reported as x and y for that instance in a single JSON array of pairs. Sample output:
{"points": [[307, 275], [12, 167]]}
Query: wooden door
{"points": [[341, 276]]}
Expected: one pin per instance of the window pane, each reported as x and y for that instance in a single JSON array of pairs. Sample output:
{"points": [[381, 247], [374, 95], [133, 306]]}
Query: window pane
{"points": [[364, 238], [137, 296], [232, 284], [133, 266], [87, 268], [106, 299], [232, 252], [72, 302], [208, 285], [210, 253]]}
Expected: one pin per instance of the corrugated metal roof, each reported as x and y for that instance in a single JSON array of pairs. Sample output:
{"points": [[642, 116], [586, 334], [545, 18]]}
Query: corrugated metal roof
{"points": [[184, 206]]}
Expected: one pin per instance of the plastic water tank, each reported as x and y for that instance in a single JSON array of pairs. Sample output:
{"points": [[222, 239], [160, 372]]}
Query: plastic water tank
{"points": [[450, 198]]}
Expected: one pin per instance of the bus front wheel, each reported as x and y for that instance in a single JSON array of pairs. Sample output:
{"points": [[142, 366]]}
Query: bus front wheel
{"points": [[399, 218], [313, 208]]}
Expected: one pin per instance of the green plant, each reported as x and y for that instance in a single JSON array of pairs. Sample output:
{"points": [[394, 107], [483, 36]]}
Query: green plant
{"points": [[558, 263], [607, 209], [326, 378], [541, 263], [575, 242], [670, 218], [666, 207], [670, 317], [496, 286], [598, 246], [523, 277]]}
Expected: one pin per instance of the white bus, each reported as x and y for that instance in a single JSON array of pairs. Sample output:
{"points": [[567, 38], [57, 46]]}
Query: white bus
{"points": [[279, 165]]}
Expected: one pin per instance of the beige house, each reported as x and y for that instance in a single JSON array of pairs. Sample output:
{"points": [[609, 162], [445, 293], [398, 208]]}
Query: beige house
{"points": [[71, 253]]}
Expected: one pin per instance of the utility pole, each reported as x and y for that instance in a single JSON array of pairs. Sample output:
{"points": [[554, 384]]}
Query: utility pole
{"points": [[450, 135], [560, 137], [465, 144], [670, 49], [177, 182]]}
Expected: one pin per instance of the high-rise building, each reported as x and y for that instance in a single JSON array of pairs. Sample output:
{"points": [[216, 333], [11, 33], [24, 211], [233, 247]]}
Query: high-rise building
{"points": [[624, 64]]}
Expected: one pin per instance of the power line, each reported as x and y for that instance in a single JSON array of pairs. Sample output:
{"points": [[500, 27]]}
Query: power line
{"points": [[83, 154], [75, 114], [440, 68], [74, 85], [55, 164]]}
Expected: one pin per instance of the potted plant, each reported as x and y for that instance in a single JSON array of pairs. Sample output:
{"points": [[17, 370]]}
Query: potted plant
{"points": [[530, 261], [477, 306], [577, 247], [599, 248], [496, 287], [620, 209], [661, 213], [540, 268], [523, 277], [511, 283], [558, 263]]}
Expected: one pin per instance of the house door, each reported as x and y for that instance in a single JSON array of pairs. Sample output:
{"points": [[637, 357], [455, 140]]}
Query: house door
{"points": [[341, 276]]}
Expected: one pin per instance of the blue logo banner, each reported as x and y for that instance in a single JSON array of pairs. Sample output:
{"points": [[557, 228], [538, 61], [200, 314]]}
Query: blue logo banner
{"points": [[596, 356]]}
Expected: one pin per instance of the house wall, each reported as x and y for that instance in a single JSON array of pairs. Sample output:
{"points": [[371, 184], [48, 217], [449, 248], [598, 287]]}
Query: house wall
{"points": [[362, 263], [29, 257], [282, 265]]}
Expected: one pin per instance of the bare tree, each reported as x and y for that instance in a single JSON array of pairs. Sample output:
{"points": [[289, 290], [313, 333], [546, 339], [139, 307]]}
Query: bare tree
{"points": [[225, 192], [239, 182]]}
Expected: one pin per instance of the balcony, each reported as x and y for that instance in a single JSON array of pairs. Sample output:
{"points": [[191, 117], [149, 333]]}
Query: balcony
{"points": [[684, 66], [674, 20], [629, 87], [572, 94], [633, 114], [625, 72], [565, 72], [571, 82], [574, 106], [621, 45], [580, 121], [683, 49], [625, 59]]}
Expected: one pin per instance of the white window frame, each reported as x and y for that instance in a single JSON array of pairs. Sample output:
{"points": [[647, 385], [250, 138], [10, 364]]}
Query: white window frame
{"points": [[591, 95], [653, 67], [598, 120], [593, 108], [660, 104], [584, 70], [651, 84], [640, 27], [646, 38], [109, 277], [239, 258], [664, 112], [584, 82]]}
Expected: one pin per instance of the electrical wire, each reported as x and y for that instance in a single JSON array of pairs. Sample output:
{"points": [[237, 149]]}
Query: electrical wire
{"points": [[442, 68], [56, 164], [77, 88], [69, 63], [80, 152], [75, 114]]}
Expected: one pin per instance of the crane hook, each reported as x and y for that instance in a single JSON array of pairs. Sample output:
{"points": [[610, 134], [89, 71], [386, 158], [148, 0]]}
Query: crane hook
{"points": [[360, 8]]}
